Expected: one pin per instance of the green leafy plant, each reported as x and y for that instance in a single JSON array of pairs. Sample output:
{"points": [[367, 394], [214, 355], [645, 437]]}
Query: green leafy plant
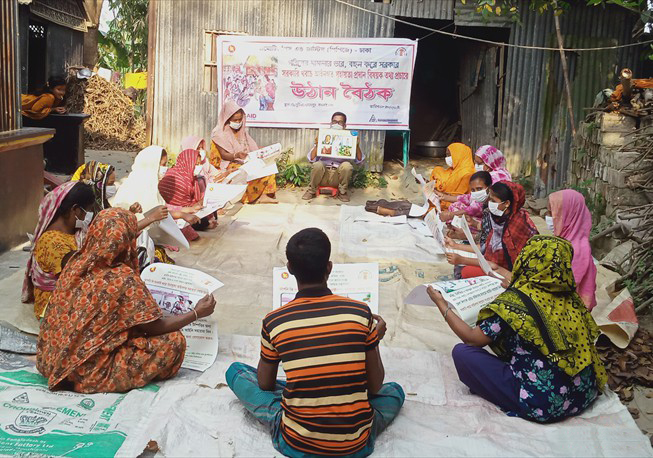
{"points": [[123, 47], [526, 182], [291, 174], [362, 178]]}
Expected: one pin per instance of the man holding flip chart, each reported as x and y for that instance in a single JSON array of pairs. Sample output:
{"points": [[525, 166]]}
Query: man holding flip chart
{"points": [[331, 157]]}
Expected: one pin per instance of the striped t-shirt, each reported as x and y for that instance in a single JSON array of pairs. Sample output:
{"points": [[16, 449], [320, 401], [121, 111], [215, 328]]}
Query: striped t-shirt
{"points": [[321, 340]]}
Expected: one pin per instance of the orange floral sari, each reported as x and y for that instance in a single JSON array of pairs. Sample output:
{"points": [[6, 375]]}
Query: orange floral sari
{"points": [[89, 333]]}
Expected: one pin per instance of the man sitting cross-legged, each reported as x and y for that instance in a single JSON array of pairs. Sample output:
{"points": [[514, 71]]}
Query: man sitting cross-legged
{"points": [[334, 401]]}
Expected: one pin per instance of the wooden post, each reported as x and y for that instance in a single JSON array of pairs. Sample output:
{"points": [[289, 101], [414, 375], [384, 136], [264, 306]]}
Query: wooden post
{"points": [[151, 61], [565, 74]]}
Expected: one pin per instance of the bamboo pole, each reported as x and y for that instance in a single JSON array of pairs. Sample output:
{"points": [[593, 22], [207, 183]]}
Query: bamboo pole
{"points": [[565, 74]]}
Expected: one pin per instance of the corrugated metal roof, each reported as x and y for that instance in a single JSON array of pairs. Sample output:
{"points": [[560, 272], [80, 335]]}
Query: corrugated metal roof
{"points": [[431, 9]]}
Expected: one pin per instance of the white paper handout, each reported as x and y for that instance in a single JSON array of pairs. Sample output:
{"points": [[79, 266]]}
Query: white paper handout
{"points": [[428, 190], [358, 281], [168, 232], [436, 227], [467, 297], [416, 211], [177, 290], [482, 262], [269, 154], [217, 195], [257, 168]]}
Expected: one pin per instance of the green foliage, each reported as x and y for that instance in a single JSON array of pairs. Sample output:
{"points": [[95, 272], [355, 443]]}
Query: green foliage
{"points": [[292, 174], [123, 47], [362, 178], [526, 182], [512, 9]]}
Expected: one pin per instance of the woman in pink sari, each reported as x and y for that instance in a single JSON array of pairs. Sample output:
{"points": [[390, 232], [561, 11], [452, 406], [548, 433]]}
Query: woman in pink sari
{"points": [[210, 173], [230, 144], [571, 219], [490, 159]]}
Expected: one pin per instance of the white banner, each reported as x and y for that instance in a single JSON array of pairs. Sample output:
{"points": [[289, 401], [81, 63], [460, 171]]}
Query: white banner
{"points": [[301, 82]]}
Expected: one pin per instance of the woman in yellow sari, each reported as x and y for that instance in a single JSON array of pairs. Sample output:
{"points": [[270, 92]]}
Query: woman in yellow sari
{"points": [[40, 103], [454, 180], [230, 144]]}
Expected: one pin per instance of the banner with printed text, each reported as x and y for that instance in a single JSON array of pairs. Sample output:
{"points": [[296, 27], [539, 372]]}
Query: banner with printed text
{"points": [[301, 82]]}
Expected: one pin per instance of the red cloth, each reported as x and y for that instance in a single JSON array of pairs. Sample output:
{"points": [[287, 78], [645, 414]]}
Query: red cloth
{"points": [[471, 272], [179, 185], [518, 229]]}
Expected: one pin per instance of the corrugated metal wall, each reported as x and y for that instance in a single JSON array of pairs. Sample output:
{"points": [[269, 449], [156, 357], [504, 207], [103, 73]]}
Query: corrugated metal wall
{"points": [[536, 137], [181, 108]]}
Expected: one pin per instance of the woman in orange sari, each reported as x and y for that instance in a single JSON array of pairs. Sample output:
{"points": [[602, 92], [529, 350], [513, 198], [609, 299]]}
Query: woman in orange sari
{"points": [[103, 331], [48, 99], [230, 144], [454, 181]]}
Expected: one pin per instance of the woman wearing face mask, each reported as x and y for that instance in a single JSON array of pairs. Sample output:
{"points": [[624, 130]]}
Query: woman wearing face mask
{"points": [[63, 214], [471, 204], [209, 173], [570, 219], [491, 160], [181, 187], [230, 144], [102, 178], [454, 181], [142, 185], [40, 103], [505, 230]]}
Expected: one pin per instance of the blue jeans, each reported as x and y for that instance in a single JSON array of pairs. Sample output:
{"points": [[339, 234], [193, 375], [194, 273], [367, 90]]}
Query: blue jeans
{"points": [[266, 407]]}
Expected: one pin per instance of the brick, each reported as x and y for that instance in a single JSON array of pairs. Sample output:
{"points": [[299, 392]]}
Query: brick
{"points": [[616, 178], [615, 139], [628, 198], [617, 122], [626, 160]]}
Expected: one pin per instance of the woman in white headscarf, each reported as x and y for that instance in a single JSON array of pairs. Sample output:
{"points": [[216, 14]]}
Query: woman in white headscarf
{"points": [[142, 186]]}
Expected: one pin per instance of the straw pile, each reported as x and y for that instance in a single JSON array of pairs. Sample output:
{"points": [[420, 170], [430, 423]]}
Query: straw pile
{"points": [[112, 125]]}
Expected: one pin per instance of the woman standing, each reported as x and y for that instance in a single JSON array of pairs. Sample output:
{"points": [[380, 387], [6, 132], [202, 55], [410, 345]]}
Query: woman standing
{"points": [[63, 213], [454, 180], [547, 367], [40, 103], [103, 331], [571, 219], [230, 144]]}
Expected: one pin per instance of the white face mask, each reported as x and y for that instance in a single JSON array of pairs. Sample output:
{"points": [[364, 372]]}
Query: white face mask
{"points": [[449, 161], [480, 196], [84, 223], [336, 127], [235, 125], [202, 155], [198, 170], [494, 208], [162, 171], [111, 191], [549, 222], [479, 167]]}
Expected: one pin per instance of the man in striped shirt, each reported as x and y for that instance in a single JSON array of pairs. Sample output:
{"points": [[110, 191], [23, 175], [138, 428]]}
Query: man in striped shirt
{"points": [[334, 401]]}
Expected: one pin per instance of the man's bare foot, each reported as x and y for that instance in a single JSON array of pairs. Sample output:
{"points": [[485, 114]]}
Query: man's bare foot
{"points": [[343, 197], [308, 195]]}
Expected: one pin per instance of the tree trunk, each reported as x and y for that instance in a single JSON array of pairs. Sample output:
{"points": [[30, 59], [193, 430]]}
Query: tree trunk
{"points": [[94, 10]]}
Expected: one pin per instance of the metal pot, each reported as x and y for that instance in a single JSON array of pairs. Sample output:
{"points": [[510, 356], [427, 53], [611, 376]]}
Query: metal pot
{"points": [[431, 149]]}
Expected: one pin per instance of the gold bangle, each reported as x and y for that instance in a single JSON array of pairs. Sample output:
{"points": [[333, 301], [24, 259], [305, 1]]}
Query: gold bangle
{"points": [[196, 317]]}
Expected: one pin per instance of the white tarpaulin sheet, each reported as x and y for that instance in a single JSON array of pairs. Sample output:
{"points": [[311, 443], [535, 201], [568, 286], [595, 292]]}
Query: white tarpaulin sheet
{"points": [[381, 241]]}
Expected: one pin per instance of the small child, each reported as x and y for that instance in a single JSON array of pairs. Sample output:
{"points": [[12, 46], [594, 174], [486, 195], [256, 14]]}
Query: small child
{"points": [[470, 204]]}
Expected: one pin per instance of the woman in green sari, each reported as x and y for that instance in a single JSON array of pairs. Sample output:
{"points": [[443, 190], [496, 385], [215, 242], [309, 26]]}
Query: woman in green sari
{"points": [[547, 367]]}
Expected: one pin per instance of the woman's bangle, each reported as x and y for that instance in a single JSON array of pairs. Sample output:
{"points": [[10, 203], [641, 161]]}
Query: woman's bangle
{"points": [[196, 317], [446, 312]]}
